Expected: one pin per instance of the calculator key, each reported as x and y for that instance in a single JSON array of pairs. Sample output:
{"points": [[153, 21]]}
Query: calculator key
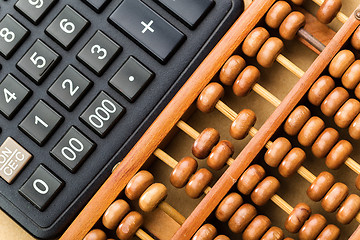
{"points": [[34, 10], [38, 62], [73, 149], [67, 27], [41, 122], [148, 28], [189, 11], [12, 34], [99, 53], [102, 114], [13, 158], [70, 87], [13, 94], [41, 188], [97, 5], [131, 79]]}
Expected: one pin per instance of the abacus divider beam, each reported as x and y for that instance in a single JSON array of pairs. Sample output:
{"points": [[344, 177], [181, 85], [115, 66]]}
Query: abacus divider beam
{"points": [[290, 66], [172, 212], [143, 235]]}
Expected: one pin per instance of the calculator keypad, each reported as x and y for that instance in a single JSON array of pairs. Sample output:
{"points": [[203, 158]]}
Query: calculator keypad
{"points": [[34, 10]]}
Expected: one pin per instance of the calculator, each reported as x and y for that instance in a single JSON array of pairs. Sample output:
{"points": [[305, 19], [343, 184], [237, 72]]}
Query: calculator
{"points": [[80, 82]]}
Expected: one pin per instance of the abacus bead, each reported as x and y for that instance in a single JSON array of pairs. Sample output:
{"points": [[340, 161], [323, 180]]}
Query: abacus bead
{"points": [[129, 225], [334, 197], [250, 178], [183, 171], [269, 52], [208, 98], [265, 190], [205, 142], [341, 63], [354, 129], [357, 91], [206, 232], [241, 218], [231, 69], [347, 113], [355, 39], [349, 209], [115, 213], [321, 88], [138, 184], [254, 41], [311, 130], [330, 232], [334, 101], [222, 237], [152, 197], [328, 11], [241, 126], [274, 233], [245, 81], [288, 238], [220, 155], [298, 2], [325, 142], [297, 217], [96, 234], [351, 78], [312, 227], [277, 14], [256, 228], [198, 182], [292, 162], [228, 207], [277, 151], [291, 25], [339, 154], [357, 183], [296, 120], [320, 186]]}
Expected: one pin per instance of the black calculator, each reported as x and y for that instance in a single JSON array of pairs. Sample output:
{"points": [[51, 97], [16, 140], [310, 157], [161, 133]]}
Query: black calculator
{"points": [[80, 81]]}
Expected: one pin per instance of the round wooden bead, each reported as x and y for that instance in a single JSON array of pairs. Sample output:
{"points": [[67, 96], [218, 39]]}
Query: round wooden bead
{"points": [[277, 151], [241, 126], [330, 232], [152, 197], [274, 233], [256, 228], [205, 142], [245, 81], [335, 197], [357, 183], [328, 10], [320, 186], [138, 184], [115, 213], [183, 171], [198, 182], [341, 63], [334, 101], [208, 98], [254, 41], [129, 225], [354, 129], [311, 130], [277, 14], [241, 218], [292, 162], [347, 113], [288, 238], [339, 154], [297, 217], [265, 190], [291, 25], [355, 39], [298, 2], [349, 209], [206, 232], [325, 142], [250, 178], [228, 206], [220, 154], [231, 69], [95, 234], [269, 52], [312, 227], [321, 88], [296, 120], [351, 77], [222, 237]]}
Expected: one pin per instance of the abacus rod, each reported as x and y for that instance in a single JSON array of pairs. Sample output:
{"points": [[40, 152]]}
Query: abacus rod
{"points": [[266, 95], [353, 165], [285, 62], [172, 212], [340, 16], [282, 204], [306, 174], [311, 39], [143, 235]]}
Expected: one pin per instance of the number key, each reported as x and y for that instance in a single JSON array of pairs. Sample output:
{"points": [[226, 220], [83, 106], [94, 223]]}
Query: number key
{"points": [[34, 10]]}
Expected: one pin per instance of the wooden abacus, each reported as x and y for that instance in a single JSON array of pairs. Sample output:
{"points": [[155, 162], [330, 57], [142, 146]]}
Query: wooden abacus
{"points": [[299, 129]]}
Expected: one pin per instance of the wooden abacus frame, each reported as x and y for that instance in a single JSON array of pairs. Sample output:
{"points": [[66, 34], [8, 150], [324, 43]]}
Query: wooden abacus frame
{"points": [[182, 102]]}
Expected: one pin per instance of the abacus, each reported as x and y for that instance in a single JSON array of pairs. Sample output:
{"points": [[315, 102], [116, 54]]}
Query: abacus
{"points": [[318, 119]]}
